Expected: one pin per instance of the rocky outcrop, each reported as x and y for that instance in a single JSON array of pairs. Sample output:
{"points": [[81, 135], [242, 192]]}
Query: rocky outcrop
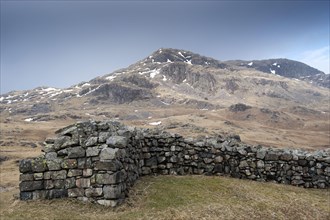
{"points": [[100, 162]]}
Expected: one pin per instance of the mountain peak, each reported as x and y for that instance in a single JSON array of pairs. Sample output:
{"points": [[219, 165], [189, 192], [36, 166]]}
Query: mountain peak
{"points": [[170, 55]]}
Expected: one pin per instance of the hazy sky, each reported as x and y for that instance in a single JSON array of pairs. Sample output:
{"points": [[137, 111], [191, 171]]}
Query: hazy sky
{"points": [[61, 43]]}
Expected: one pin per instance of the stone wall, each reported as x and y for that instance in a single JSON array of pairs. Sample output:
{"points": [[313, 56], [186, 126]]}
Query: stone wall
{"points": [[100, 161]]}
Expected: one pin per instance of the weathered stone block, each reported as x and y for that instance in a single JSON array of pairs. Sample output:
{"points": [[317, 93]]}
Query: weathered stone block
{"points": [[302, 162], [48, 148], [110, 203], [59, 184], [26, 177], [49, 184], [243, 164], [56, 175], [106, 178], [261, 153], [286, 156], [93, 192], [31, 185], [218, 168], [151, 162], [26, 196], [74, 172], [54, 164], [64, 142], [70, 183], [91, 141], [39, 164], [47, 175], [40, 194], [218, 159], [92, 151], [207, 160], [109, 153], [58, 193], [117, 141], [38, 176], [83, 183], [272, 156], [84, 163], [25, 166], [87, 172], [260, 164], [76, 192], [108, 166], [112, 192], [103, 136], [75, 152], [51, 155], [69, 163]]}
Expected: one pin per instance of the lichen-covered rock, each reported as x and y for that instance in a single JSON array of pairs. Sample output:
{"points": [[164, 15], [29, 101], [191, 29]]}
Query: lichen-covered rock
{"points": [[109, 153], [117, 141], [25, 166], [75, 152], [112, 192]]}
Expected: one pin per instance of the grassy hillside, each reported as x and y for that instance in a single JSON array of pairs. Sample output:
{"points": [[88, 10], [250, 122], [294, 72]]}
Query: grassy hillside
{"points": [[171, 197]]}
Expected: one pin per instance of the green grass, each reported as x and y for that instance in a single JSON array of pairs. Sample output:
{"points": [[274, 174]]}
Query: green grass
{"points": [[186, 197]]}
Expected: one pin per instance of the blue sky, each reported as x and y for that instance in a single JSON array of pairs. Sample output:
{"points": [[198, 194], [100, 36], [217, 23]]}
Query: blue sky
{"points": [[61, 43]]}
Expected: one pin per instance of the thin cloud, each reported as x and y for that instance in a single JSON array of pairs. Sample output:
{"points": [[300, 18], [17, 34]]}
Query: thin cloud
{"points": [[318, 58]]}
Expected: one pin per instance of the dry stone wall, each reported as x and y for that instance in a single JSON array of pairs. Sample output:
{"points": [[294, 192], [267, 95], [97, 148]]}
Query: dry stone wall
{"points": [[100, 161]]}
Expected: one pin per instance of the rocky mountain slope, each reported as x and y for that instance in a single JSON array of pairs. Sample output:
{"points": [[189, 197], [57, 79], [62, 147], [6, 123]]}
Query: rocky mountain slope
{"points": [[187, 90], [192, 77]]}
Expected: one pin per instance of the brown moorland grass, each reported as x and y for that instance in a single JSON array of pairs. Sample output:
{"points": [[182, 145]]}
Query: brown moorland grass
{"points": [[171, 197]]}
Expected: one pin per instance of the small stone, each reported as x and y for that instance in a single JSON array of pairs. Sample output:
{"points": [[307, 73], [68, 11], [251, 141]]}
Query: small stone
{"points": [[91, 141], [76, 192], [109, 153], [117, 141], [110, 203], [49, 184], [31, 185], [108, 166], [75, 152], [54, 164], [83, 183], [286, 157], [218, 159], [59, 184], [112, 192], [70, 183], [38, 176], [260, 164], [39, 164], [25, 166], [272, 156], [74, 172], [87, 172], [40, 194], [103, 136], [58, 193], [261, 154], [243, 164], [55, 175], [26, 177], [151, 162], [69, 164], [51, 155], [207, 160], [26, 196], [92, 151], [93, 192], [84, 163]]}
